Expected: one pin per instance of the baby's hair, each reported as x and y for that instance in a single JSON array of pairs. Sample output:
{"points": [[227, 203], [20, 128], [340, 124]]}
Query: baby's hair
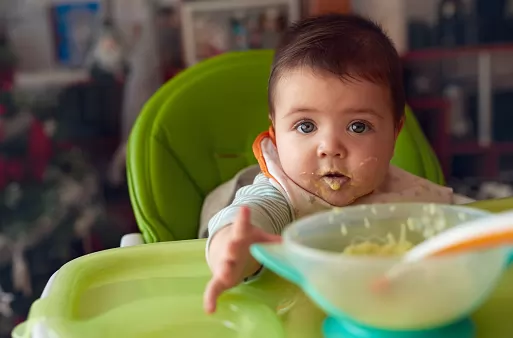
{"points": [[347, 46]]}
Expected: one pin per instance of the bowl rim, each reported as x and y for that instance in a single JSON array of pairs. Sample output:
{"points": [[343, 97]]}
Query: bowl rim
{"points": [[328, 255]]}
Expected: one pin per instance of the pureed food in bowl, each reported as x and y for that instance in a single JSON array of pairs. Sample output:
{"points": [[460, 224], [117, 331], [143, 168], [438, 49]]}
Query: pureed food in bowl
{"points": [[341, 253], [387, 247]]}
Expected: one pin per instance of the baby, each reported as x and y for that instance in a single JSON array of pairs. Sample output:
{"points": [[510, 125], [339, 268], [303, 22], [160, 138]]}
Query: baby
{"points": [[336, 102]]}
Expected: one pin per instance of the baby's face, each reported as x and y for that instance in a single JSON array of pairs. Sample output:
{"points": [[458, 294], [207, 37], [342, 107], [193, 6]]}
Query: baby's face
{"points": [[334, 138]]}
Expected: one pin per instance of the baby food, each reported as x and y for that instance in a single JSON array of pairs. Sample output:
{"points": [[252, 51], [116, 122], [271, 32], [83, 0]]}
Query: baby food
{"points": [[390, 247]]}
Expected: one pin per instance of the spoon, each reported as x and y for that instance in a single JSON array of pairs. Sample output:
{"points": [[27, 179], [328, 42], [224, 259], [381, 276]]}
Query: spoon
{"points": [[480, 234]]}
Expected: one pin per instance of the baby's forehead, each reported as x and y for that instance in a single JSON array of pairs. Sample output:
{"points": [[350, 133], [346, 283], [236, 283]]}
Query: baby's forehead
{"points": [[348, 48], [324, 91]]}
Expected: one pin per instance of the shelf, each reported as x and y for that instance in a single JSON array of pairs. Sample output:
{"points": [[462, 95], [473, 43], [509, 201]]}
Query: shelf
{"points": [[504, 147], [438, 103], [438, 119], [50, 78], [442, 53], [190, 10], [473, 148], [467, 148]]}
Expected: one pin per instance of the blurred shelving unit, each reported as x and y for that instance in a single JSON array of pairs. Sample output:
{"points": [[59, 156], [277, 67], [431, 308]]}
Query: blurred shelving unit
{"points": [[213, 27], [483, 151]]}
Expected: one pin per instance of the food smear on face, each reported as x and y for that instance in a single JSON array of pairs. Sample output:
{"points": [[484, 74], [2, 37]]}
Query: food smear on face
{"points": [[335, 182], [334, 185]]}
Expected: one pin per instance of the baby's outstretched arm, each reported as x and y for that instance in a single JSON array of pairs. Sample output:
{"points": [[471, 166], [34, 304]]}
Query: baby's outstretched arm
{"points": [[258, 214], [230, 259]]}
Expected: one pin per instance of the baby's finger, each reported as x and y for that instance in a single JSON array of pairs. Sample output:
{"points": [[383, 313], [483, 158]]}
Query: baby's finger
{"points": [[213, 290], [242, 224]]}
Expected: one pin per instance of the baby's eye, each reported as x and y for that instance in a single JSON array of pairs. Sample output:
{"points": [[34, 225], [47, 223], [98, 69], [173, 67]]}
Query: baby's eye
{"points": [[306, 127], [358, 127]]}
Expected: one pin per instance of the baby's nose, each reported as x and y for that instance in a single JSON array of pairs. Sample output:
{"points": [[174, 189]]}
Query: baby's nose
{"points": [[331, 148]]}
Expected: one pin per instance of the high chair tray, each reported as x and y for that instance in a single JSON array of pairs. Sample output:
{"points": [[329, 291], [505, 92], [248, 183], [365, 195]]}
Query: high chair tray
{"points": [[155, 290]]}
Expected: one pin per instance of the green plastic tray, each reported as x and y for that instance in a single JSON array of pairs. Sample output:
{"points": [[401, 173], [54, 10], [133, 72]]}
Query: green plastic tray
{"points": [[155, 290]]}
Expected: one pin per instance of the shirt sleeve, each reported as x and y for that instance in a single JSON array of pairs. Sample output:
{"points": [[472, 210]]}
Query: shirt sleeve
{"points": [[269, 208]]}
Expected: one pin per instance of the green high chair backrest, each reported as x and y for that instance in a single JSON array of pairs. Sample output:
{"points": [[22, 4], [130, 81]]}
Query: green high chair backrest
{"points": [[196, 132]]}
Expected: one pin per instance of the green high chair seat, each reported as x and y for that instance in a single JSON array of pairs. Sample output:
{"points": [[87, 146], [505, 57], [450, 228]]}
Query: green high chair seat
{"points": [[196, 132]]}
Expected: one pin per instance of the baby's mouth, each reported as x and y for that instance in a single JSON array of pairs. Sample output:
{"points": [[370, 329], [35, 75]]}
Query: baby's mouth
{"points": [[334, 180]]}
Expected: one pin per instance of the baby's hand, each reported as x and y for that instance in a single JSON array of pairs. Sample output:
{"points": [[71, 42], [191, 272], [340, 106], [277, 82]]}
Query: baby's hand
{"points": [[230, 259]]}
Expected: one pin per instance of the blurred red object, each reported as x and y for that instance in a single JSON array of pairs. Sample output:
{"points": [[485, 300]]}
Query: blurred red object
{"points": [[31, 165], [39, 151], [170, 72], [6, 78]]}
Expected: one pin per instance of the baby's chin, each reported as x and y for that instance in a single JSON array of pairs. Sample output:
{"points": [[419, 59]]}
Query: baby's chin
{"points": [[339, 199]]}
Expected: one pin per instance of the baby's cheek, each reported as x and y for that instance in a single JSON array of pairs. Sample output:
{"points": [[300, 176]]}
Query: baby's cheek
{"points": [[369, 173], [364, 170]]}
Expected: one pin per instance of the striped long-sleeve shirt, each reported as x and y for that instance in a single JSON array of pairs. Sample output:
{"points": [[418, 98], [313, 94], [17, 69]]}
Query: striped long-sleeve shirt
{"points": [[269, 209]]}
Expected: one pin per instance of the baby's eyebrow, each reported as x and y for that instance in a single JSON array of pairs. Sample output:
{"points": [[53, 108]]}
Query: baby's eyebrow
{"points": [[368, 111], [302, 109], [354, 111]]}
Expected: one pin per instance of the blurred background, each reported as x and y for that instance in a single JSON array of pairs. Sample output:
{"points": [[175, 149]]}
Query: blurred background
{"points": [[74, 75]]}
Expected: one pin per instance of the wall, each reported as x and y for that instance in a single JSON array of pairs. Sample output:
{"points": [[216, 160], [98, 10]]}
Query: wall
{"points": [[31, 32], [390, 14], [32, 38]]}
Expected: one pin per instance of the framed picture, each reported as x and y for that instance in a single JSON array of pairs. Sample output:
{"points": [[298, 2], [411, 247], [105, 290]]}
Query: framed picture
{"points": [[214, 27], [75, 27]]}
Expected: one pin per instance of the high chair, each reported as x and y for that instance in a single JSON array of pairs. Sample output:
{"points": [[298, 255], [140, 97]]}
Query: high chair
{"points": [[193, 134], [196, 132]]}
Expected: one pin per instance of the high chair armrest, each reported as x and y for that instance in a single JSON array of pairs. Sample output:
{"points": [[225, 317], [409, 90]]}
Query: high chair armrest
{"points": [[131, 240], [126, 240], [462, 199]]}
